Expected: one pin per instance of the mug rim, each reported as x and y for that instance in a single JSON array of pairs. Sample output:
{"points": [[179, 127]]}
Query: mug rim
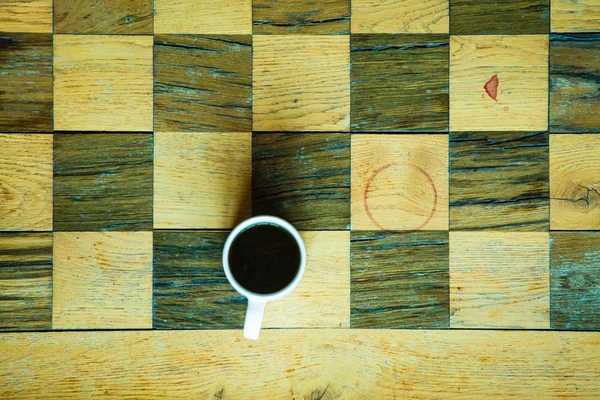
{"points": [[259, 220]]}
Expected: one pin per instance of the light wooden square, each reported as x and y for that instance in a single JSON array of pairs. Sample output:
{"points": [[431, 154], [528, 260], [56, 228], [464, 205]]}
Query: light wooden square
{"points": [[575, 182], [521, 66], [400, 16], [25, 182], [399, 182], [202, 180], [102, 280], [203, 16], [575, 16], [301, 83], [499, 280], [103, 83], [322, 299], [32, 16]]}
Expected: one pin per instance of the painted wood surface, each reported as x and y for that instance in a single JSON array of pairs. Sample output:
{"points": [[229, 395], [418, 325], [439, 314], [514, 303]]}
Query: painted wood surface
{"points": [[399, 82], [574, 86], [106, 17], [302, 178], [327, 364], [109, 75], [25, 281], [399, 280], [26, 182], [102, 280], [103, 182], [499, 181], [202, 83], [26, 91]]}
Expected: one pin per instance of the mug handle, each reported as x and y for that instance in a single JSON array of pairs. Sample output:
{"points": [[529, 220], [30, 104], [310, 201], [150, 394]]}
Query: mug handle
{"points": [[254, 317]]}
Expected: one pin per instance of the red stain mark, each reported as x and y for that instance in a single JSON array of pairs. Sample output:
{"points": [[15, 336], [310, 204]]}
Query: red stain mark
{"points": [[68, 257], [491, 87], [380, 170], [505, 108]]}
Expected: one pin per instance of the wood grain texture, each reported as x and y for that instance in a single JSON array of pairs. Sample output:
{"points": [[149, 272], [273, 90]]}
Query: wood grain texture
{"points": [[107, 17], [202, 180], [102, 280], [399, 182], [102, 182], [25, 281], [499, 280], [575, 182], [110, 76], [575, 16], [575, 280], [26, 182], [301, 83], [302, 178], [399, 82], [25, 82], [203, 83], [301, 364], [499, 181], [520, 63], [192, 291], [399, 280], [400, 16], [499, 17], [574, 83], [34, 16], [203, 17], [320, 17]]}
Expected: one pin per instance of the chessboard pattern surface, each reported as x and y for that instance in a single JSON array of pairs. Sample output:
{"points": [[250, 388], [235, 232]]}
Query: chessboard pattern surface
{"points": [[441, 159]]}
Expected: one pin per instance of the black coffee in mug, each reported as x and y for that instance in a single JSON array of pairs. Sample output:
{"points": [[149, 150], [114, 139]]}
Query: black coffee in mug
{"points": [[264, 258]]}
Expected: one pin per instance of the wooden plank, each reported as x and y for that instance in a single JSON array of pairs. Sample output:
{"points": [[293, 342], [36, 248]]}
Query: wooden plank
{"points": [[399, 280], [109, 76], [574, 83], [406, 16], [26, 70], [302, 178], [575, 182], [25, 281], [399, 182], [419, 62], [301, 364], [203, 17], [493, 17], [26, 182], [499, 280], [575, 16], [322, 17], [301, 83], [102, 280], [575, 280], [203, 83], [102, 182], [107, 17], [202, 180], [513, 68], [499, 181], [34, 16], [192, 291]]}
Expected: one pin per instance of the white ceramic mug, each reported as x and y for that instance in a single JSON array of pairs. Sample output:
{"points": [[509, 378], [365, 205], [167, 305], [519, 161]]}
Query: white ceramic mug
{"points": [[257, 301]]}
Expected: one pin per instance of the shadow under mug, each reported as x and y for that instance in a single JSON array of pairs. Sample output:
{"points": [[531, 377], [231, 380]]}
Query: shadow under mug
{"points": [[257, 301]]}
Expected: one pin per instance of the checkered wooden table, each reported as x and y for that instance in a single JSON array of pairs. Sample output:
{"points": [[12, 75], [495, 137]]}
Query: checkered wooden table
{"points": [[441, 159]]}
